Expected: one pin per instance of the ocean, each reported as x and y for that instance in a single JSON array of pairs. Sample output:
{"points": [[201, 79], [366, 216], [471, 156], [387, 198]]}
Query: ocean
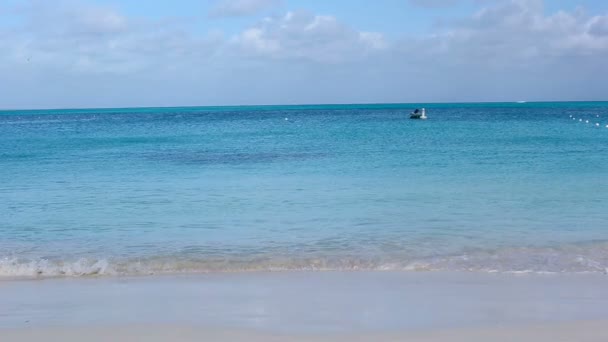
{"points": [[485, 187]]}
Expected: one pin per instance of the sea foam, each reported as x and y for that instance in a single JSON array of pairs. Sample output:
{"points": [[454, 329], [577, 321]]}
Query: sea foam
{"points": [[586, 258]]}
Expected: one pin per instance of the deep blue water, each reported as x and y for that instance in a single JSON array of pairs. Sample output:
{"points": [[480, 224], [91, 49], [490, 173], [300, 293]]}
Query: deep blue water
{"points": [[484, 187]]}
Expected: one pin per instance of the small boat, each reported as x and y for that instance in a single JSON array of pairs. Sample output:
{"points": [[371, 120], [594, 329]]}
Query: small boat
{"points": [[418, 114]]}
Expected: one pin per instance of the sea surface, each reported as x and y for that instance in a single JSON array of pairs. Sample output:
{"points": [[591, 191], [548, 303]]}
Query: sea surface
{"points": [[500, 187]]}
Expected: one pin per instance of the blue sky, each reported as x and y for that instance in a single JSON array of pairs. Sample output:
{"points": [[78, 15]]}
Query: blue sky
{"points": [[111, 53]]}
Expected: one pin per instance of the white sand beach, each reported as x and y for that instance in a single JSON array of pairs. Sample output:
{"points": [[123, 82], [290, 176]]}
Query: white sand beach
{"points": [[322, 306], [578, 331]]}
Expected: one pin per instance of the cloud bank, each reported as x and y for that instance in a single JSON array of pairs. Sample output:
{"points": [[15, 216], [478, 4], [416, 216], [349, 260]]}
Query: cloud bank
{"points": [[75, 54]]}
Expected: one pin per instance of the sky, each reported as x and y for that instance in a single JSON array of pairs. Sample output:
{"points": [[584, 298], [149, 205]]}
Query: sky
{"points": [[131, 53]]}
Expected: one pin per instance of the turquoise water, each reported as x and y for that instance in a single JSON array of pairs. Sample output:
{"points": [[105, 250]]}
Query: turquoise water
{"points": [[481, 187]]}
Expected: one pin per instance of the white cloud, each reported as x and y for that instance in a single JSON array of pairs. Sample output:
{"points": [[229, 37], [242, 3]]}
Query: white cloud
{"points": [[70, 18], [508, 50], [373, 40], [517, 33], [304, 36], [233, 8], [75, 37], [598, 26], [253, 40], [101, 21]]}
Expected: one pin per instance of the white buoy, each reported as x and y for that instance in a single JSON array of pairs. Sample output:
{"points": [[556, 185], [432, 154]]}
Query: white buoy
{"points": [[570, 115], [597, 116], [597, 125], [580, 120], [586, 121], [286, 119]]}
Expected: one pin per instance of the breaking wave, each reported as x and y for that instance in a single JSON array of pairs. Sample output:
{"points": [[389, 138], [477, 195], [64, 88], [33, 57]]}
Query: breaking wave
{"points": [[589, 258]]}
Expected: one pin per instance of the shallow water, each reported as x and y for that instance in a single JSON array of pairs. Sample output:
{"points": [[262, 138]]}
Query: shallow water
{"points": [[485, 187]]}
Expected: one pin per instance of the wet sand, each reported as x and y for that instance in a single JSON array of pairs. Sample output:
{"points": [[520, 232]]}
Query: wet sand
{"points": [[315, 306]]}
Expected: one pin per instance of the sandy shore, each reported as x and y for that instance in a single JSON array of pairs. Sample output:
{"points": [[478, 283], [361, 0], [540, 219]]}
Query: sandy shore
{"points": [[301, 306], [575, 332]]}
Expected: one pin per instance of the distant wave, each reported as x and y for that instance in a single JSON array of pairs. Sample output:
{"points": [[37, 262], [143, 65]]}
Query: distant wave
{"points": [[589, 258]]}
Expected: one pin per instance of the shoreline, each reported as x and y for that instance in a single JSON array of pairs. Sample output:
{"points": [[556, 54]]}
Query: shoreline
{"points": [[264, 272]]}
